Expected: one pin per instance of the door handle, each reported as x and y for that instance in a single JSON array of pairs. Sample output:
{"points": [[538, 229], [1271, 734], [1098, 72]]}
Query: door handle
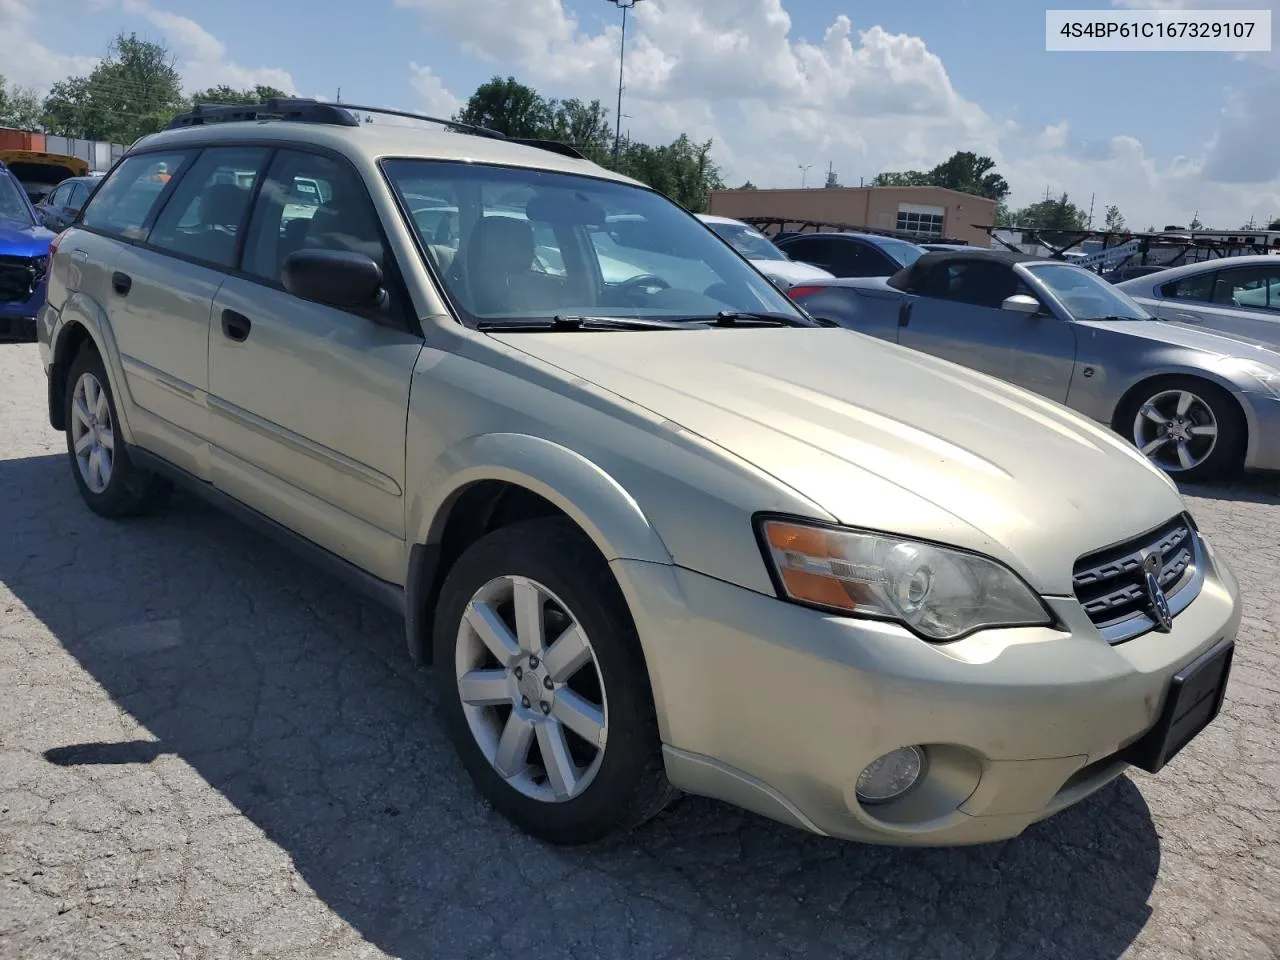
{"points": [[235, 326], [1188, 317], [904, 314], [122, 283]]}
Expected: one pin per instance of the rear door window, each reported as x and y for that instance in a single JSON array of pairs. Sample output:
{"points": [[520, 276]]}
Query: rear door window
{"points": [[125, 203], [210, 205]]}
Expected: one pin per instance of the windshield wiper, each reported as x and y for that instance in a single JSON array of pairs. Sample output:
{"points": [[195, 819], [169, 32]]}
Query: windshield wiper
{"points": [[732, 318], [578, 323]]}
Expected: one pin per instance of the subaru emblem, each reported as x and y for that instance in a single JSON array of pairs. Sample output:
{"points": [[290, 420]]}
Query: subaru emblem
{"points": [[1159, 603]]}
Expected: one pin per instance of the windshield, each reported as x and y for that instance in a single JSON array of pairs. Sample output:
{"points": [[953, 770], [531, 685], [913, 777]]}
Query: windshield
{"points": [[905, 253], [1086, 295], [13, 205], [519, 244], [748, 241]]}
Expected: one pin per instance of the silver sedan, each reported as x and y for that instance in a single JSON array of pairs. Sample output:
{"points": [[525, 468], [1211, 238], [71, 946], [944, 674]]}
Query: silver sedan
{"points": [[1237, 295], [1197, 403]]}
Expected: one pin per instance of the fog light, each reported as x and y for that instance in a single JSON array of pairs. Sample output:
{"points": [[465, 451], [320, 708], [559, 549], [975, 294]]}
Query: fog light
{"points": [[890, 776]]}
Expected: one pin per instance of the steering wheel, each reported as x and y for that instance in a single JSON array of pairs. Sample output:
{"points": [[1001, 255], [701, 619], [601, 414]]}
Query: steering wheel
{"points": [[644, 281]]}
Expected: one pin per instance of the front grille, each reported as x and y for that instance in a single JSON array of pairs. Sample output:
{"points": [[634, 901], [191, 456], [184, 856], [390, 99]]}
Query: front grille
{"points": [[1111, 583], [17, 279]]}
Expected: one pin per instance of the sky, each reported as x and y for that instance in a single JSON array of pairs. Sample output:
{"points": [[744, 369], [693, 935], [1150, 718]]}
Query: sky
{"points": [[860, 86]]}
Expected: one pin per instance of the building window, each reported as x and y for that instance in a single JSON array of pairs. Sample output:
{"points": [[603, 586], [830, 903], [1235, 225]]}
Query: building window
{"points": [[925, 225]]}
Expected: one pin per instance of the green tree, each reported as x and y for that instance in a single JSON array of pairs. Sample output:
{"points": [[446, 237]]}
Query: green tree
{"points": [[508, 107], [225, 94], [1004, 216], [908, 178], [683, 169], [581, 125], [963, 170], [1054, 218], [969, 173], [748, 185], [1114, 221], [136, 90], [19, 106]]}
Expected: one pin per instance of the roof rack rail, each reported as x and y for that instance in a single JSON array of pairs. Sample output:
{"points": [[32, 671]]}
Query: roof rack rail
{"points": [[456, 125], [295, 109], [307, 110]]}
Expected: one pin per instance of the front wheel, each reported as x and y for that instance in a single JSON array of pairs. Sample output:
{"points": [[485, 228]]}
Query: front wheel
{"points": [[1190, 428], [544, 687]]}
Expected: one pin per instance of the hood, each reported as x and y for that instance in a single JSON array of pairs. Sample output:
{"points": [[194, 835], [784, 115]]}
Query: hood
{"points": [[791, 271], [886, 438], [24, 240], [1215, 343]]}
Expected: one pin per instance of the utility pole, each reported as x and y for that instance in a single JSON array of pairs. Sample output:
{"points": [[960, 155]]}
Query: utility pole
{"points": [[804, 174], [624, 6], [339, 95], [1092, 197]]}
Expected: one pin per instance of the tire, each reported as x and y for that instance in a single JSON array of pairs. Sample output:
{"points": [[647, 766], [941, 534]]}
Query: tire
{"points": [[1209, 432], [125, 489], [620, 786]]}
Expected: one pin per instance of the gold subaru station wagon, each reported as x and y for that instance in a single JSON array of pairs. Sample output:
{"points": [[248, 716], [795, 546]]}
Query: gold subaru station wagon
{"points": [[655, 528]]}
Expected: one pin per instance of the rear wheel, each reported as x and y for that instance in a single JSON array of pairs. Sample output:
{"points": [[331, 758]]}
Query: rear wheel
{"points": [[1190, 428], [544, 687], [109, 481]]}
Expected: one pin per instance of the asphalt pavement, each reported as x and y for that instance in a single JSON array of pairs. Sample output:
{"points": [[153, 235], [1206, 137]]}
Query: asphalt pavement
{"points": [[208, 749]]}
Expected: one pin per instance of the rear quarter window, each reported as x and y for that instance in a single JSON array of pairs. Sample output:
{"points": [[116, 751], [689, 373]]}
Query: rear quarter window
{"points": [[1197, 287], [124, 203]]}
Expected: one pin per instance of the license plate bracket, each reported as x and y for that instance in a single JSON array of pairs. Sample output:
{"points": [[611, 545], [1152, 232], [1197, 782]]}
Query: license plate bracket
{"points": [[1194, 700]]}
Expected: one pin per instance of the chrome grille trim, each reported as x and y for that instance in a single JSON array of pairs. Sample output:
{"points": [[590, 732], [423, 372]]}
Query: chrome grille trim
{"points": [[1109, 583]]}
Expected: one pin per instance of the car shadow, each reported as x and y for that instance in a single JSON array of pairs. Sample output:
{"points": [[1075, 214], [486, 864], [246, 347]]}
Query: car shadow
{"points": [[294, 699], [1253, 487]]}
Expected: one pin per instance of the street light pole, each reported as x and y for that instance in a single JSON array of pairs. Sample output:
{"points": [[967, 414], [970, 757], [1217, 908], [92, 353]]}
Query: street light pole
{"points": [[804, 174], [624, 6]]}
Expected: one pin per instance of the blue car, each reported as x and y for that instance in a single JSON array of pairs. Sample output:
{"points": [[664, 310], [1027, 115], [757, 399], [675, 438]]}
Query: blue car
{"points": [[24, 255]]}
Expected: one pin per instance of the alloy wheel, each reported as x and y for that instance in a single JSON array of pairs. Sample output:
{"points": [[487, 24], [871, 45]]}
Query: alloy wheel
{"points": [[531, 689], [92, 433], [1176, 429]]}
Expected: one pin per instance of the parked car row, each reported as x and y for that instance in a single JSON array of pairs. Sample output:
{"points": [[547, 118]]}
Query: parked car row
{"points": [[1198, 404], [619, 505]]}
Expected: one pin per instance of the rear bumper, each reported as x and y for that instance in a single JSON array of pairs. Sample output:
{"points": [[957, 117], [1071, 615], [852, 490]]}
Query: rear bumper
{"points": [[777, 709]]}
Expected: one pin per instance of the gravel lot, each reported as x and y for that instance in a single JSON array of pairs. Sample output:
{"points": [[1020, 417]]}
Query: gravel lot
{"points": [[209, 750]]}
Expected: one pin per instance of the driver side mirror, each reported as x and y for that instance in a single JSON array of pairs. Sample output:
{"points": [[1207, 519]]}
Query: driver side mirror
{"points": [[1021, 303], [339, 278]]}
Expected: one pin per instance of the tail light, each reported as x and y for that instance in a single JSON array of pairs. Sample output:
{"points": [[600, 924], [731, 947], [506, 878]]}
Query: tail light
{"points": [[803, 290]]}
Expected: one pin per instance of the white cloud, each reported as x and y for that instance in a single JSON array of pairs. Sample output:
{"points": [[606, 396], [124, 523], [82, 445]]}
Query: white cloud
{"points": [[433, 97], [864, 98], [202, 57], [37, 66]]}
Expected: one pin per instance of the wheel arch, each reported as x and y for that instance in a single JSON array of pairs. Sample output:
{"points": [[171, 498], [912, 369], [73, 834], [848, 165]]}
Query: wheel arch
{"points": [[1149, 380], [83, 322], [499, 479]]}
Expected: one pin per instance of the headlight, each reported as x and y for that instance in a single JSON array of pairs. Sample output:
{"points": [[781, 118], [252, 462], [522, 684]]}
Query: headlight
{"points": [[1269, 377], [940, 593]]}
